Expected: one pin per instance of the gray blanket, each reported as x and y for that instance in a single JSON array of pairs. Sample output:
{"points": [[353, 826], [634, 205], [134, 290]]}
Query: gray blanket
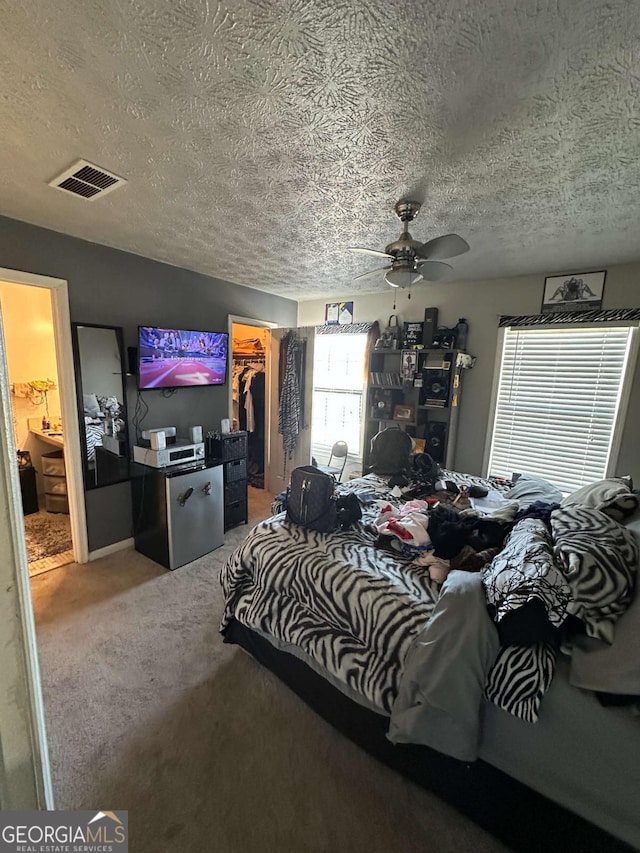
{"points": [[442, 687]]}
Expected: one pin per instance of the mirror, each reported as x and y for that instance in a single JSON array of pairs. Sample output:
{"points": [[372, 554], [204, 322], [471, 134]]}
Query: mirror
{"points": [[99, 362]]}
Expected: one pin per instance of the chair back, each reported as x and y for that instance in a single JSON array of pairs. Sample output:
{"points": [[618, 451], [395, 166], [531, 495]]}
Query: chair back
{"points": [[339, 450]]}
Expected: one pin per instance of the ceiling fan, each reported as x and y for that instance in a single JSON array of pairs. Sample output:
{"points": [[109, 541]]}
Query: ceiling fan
{"points": [[409, 261]]}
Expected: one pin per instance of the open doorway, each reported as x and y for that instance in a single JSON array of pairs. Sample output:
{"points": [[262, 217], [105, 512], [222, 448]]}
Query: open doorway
{"points": [[22, 725], [250, 346], [41, 391], [37, 424]]}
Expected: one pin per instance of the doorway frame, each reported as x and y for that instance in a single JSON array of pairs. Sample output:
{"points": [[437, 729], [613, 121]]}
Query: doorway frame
{"points": [[59, 293], [260, 324], [25, 770]]}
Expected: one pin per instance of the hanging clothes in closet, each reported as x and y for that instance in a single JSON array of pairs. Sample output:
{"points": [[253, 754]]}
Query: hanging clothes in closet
{"points": [[249, 409]]}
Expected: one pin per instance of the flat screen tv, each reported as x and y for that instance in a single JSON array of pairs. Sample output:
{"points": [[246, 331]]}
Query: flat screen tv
{"points": [[177, 358]]}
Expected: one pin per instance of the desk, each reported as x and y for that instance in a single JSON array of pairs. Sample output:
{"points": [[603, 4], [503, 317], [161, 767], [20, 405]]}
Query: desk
{"points": [[54, 437]]}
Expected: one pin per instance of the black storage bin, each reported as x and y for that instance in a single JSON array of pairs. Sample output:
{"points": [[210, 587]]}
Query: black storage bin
{"points": [[231, 449], [235, 513], [235, 470], [234, 491], [226, 447], [28, 490]]}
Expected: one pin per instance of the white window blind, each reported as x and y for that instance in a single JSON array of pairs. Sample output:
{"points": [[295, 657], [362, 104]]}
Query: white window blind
{"points": [[557, 403], [338, 371]]}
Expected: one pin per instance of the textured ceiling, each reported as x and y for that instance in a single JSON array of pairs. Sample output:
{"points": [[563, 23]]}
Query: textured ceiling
{"points": [[261, 138]]}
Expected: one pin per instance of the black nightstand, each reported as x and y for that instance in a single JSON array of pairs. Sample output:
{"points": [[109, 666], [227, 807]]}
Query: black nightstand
{"points": [[28, 489]]}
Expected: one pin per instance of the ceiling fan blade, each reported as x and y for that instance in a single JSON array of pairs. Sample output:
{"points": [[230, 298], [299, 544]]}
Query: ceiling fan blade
{"points": [[447, 246], [370, 273], [373, 252], [433, 270]]}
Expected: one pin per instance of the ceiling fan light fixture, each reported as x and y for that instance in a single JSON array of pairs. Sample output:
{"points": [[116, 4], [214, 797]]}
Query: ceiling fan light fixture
{"points": [[402, 277]]}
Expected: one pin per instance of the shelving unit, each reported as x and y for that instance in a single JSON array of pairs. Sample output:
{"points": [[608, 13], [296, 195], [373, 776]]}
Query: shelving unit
{"points": [[433, 405], [55, 482], [231, 450]]}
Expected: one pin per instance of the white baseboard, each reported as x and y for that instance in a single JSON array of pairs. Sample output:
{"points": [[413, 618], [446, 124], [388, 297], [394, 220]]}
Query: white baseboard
{"points": [[111, 549]]}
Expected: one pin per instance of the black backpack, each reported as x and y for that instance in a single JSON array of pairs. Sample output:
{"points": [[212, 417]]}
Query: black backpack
{"points": [[391, 452], [426, 470]]}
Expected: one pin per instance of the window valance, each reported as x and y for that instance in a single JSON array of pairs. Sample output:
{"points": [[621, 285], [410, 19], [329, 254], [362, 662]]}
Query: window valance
{"points": [[346, 329], [561, 317]]}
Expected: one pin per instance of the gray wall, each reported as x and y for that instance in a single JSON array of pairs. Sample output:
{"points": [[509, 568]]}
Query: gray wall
{"points": [[481, 302], [115, 288]]}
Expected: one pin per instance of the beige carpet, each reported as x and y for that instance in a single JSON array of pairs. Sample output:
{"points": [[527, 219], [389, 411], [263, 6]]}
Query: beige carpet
{"points": [[148, 711]]}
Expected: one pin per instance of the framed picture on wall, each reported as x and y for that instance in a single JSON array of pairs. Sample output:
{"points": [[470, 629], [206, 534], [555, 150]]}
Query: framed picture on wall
{"points": [[338, 313], [404, 414], [409, 364], [345, 313], [580, 291], [331, 313]]}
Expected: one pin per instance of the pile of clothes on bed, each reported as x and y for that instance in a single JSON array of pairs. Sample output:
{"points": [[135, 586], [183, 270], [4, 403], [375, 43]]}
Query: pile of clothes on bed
{"points": [[425, 606]]}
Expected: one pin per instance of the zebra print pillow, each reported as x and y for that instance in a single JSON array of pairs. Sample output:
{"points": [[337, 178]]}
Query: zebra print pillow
{"points": [[612, 496], [599, 559], [523, 572]]}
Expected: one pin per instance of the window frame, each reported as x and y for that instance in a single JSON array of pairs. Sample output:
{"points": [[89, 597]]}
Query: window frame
{"points": [[625, 391], [320, 448]]}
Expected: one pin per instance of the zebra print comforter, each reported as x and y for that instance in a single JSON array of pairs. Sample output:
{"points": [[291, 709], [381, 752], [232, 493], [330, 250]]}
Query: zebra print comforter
{"points": [[353, 607], [357, 609]]}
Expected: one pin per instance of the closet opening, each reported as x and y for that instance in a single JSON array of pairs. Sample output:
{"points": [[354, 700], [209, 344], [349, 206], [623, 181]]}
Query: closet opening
{"points": [[250, 347]]}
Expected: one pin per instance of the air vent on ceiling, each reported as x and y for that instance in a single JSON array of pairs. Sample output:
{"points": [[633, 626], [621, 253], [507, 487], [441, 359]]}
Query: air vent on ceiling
{"points": [[87, 180]]}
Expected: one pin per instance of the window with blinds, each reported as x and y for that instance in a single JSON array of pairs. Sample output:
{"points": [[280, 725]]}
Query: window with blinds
{"points": [[338, 378], [557, 402]]}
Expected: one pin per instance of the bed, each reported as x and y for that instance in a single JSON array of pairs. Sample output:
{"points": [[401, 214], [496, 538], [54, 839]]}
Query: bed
{"points": [[421, 672], [102, 416]]}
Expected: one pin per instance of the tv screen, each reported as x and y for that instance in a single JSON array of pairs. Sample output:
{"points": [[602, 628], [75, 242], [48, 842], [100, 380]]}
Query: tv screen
{"points": [[176, 358]]}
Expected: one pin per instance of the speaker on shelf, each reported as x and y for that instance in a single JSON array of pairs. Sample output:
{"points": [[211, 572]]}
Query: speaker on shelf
{"points": [[381, 404], [132, 360], [435, 387], [436, 440], [430, 326], [158, 440]]}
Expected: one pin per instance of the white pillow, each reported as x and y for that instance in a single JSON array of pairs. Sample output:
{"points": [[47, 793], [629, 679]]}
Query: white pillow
{"points": [[528, 488], [90, 403]]}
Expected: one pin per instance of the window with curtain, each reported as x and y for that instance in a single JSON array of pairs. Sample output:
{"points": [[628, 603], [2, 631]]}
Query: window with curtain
{"points": [[558, 402], [338, 371]]}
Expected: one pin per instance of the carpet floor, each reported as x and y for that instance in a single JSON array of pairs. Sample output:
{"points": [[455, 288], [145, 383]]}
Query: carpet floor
{"points": [[147, 710], [47, 533]]}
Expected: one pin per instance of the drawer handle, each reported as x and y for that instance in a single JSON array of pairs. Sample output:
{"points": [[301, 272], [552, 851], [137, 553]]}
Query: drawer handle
{"points": [[182, 499]]}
